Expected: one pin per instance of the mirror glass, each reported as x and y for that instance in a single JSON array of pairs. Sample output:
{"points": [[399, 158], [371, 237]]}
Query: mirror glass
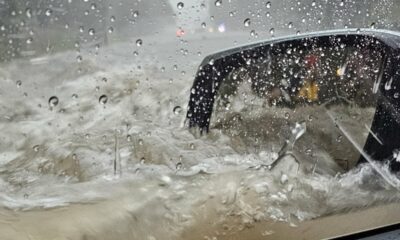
{"points": [[315, 101]]}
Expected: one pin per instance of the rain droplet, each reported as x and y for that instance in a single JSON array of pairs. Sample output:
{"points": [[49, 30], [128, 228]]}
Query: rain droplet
{"points": [[91, 31], [178, 166], [290, 25], [177, 110], [74, 96], [103, 99], [139, 42], [284, 179], [29, 40], [372, 26], [129, 138], [203, 25], [287, 115], [79, 58], [53, 101], [136, 14], [218, 3], [110, 30], [191, 146], [140, 141], [268, 4], [48, 12], [19, 83], [28, 12], [36, 148], [142, 160], [180, 5], [112, 19], [272, 31], [247, 22]]}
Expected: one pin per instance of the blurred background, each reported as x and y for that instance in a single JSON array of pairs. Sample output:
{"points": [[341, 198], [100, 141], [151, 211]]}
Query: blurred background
{"points": [[37, 27]]}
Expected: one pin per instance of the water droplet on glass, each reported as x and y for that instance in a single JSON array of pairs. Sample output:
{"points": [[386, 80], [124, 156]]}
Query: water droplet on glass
{"points": [[203, 25], [191, 146], [290, 25], [268, 4], [180, 5], [112, 19], [48, 12], [178, 166], [142, 160], [53, 101], [103, 99], [139, 42], [19, 83], [28, 12], [284, 179], [29, 40], [74, 96], [110, 30], [372, 26], [79, 58], [36, 148], [91, 31], [247, 22], [140, 141], [287, 115], [339, 138], [129, 138], [272, 31], [218, 3], [177, 110]]}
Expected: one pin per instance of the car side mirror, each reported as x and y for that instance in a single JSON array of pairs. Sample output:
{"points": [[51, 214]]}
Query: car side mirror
{"points": [[355, 68]]}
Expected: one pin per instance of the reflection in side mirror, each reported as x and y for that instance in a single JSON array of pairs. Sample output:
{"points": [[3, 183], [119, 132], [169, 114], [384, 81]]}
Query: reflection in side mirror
{"points": [[256, 93]]}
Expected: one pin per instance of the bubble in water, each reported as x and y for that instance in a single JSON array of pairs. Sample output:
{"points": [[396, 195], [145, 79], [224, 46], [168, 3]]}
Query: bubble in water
{"points": [[247, 22], [218, 3], [139, 42], [180, 5], [53, 101], [268, 4], [103, 99], [177, 110], [91, 31], [36, 148], [48, 12]]}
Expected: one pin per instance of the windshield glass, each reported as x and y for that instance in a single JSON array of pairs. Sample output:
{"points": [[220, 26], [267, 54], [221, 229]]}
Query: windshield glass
{"points": [[94, 136]]}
